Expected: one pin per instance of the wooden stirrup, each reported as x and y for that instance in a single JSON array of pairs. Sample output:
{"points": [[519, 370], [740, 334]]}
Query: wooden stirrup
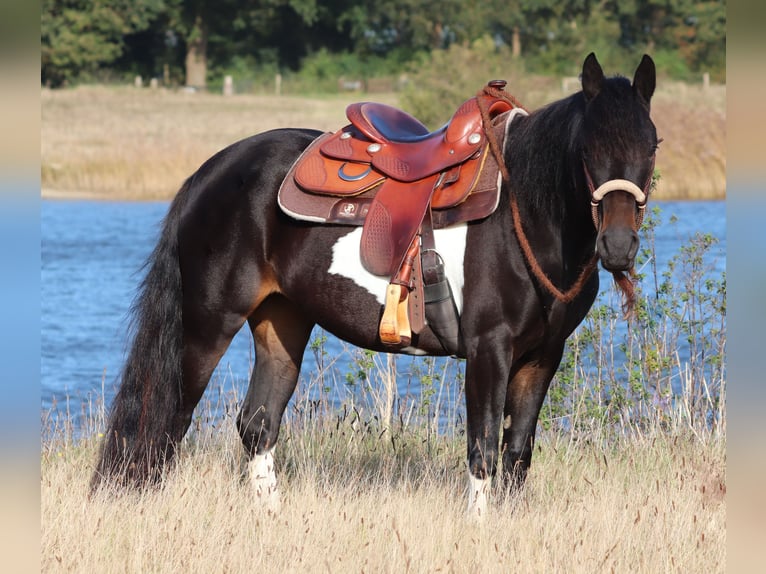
{"points": [[395, 324]]}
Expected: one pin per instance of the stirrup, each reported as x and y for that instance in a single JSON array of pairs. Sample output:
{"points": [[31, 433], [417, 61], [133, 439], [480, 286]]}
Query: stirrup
{"points": [[394, 327]]}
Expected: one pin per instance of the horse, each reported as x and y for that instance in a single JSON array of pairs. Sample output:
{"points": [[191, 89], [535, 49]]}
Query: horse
{"points": [[576, 174]]}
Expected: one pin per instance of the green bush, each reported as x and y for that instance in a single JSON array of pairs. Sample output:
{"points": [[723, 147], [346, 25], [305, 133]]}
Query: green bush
{"points": [[250, 74], [324, 72], [438, 83], [633, 376], [671, 63]]}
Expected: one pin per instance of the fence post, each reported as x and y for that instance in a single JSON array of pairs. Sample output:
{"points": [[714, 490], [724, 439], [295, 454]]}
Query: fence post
{"points": [[228, 86], [278, 84]]}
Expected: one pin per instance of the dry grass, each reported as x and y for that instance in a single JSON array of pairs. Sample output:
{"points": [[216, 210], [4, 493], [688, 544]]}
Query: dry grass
{"points": [[692, 159], [141, 144], [358, 499], [124, 143]]}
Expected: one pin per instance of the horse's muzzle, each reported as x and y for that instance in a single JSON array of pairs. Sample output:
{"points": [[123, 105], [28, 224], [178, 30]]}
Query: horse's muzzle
{"points": [[617, 249]]}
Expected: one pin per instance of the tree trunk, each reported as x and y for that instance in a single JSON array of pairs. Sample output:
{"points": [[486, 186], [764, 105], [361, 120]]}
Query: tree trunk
{"points": [[516, 42], [437, 39], [196, 56]]}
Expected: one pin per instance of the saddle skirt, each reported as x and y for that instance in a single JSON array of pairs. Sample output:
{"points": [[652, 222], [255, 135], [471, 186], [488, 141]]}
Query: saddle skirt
{"points": [[386, 171]]}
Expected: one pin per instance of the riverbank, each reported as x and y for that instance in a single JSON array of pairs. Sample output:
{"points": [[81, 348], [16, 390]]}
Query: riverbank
{"points": [[122, 143]]}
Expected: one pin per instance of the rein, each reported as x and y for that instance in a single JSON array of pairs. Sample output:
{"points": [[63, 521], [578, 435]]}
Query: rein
{"points": [[495, 90]]}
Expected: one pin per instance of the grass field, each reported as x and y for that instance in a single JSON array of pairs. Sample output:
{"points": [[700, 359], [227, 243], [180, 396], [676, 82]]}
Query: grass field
{"points": [[357, 498], [126, 143]]}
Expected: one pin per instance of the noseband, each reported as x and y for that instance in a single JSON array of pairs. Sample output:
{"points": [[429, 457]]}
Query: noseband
{"points": [[598, 193]]}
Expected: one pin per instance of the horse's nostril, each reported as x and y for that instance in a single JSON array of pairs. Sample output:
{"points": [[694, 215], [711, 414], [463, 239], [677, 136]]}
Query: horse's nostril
{"points": [[601, 247], [617, 248]]}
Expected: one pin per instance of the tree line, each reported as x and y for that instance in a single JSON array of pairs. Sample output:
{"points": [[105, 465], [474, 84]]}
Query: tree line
{"points": [[191, 41]]}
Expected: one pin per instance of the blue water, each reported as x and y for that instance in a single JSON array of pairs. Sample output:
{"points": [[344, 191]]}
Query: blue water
{"points": [[92, 255]]}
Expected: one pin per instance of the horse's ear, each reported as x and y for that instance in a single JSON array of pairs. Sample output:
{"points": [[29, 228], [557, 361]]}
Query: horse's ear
{"points": [[592, 77], [645, 79]]}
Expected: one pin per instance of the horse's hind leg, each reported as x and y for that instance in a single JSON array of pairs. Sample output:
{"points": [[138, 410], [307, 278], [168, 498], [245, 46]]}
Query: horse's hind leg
{"points": [[280, 332], [219, 294], [204, 345]]}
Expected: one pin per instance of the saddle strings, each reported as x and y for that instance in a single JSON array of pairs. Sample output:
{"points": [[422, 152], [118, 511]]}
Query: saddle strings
{"points": [[566, 296]]}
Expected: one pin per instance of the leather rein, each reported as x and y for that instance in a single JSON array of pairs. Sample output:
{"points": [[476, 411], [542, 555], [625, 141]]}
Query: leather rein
{"points": [[495, 90]]}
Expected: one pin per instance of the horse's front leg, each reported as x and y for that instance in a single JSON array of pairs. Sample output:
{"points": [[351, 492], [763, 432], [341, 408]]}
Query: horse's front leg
{"points": [[487, 371], [526, 393], [280, 333]]}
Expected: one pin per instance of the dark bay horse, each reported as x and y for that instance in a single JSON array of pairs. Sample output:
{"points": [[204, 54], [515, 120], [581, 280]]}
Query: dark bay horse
{"points": [[577, 178]]}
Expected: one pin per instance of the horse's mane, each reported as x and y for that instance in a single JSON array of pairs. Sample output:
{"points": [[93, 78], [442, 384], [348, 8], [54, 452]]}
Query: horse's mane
{"points": [[546, 146], [541, 147]]}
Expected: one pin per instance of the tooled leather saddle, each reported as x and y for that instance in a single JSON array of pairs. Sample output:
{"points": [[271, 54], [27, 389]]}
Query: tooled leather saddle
{"points": [[387, 172]]}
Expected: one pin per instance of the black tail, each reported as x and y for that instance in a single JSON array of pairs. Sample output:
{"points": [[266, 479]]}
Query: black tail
{"points": [[142, 433]]}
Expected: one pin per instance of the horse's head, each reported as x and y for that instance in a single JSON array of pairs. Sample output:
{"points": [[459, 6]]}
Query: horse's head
{"points": [[618, 150]]}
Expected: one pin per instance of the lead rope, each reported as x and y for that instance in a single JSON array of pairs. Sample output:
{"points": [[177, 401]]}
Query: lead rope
{"points": [[567, 296]]}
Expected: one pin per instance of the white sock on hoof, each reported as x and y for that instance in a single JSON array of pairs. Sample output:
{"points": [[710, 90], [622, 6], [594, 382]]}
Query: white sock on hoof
{"points": [[478, 493], [263, 479]]}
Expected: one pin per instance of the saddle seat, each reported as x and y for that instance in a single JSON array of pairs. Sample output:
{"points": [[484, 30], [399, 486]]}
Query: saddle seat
{"points": [[386, 171], [401, 147], [384, 123]]}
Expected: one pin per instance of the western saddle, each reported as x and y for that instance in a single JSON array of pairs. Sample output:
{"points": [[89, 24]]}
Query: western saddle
{"points": [[387, 172]]}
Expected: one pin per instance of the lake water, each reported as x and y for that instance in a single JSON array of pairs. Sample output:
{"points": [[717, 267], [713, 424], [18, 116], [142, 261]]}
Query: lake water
{"points": [[91, 256]]}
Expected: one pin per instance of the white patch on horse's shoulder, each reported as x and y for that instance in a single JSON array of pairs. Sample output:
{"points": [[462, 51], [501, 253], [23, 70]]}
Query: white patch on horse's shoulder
{"points": [[450, 244], [347, 263], [478, 494], [263, 479]]}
